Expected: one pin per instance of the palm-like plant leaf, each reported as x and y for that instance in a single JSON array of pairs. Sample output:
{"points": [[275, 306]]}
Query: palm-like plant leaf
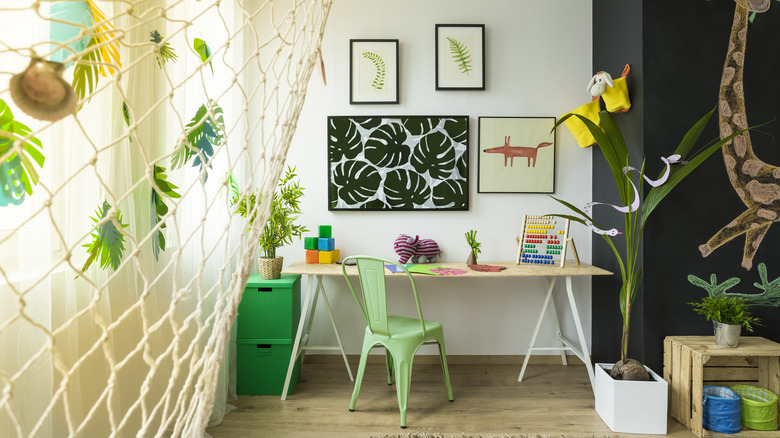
{"points": [[158, 209], [98, 48], [165, 52], [18, 172], [107, 245], [460, 54], [202, 133]]}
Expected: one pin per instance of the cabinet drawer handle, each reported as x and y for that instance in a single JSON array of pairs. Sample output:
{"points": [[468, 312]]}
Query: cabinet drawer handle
{"points": [[265, 289]]}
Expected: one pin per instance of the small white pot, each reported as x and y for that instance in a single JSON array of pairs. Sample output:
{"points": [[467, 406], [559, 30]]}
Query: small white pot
{"points": [[630, 406]]}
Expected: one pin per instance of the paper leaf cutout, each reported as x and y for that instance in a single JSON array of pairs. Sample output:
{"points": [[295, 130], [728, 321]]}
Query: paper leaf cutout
{"points": [[205, 132], [108, 243], [204, 51], [158, 209], [165, 52], [18, 172]]}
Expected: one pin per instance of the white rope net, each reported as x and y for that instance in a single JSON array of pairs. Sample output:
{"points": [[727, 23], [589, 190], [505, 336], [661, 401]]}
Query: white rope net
{"points": [[121, 259]]}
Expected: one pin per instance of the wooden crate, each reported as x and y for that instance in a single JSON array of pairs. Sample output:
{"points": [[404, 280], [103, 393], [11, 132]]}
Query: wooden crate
{"points": [[690, 362]]}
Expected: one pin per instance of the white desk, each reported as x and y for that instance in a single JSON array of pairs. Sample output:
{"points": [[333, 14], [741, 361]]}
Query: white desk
{"points": [[549, 272]]}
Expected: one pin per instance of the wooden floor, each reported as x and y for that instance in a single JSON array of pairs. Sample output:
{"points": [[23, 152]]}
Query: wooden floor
{"points": [[489, 401]]}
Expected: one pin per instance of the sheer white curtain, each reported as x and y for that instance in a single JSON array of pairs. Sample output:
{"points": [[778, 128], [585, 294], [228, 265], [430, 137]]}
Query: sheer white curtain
{"points": [[131, 349]]}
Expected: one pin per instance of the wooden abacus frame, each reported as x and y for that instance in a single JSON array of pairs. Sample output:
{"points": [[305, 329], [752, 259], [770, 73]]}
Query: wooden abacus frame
{"points": [[544, 223]]}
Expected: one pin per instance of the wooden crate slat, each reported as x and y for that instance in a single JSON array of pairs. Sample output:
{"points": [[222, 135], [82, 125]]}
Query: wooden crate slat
{"points": [[727, 361], [730, 373]]}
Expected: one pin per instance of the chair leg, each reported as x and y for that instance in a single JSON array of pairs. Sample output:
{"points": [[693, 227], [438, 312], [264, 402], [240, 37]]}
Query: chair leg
{"points": [[445, 369], [403, 380], [389, 365], [359, 377]]}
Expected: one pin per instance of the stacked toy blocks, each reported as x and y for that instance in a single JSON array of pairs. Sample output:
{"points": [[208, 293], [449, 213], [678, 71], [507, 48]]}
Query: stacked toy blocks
{"points": [[322, 249]]}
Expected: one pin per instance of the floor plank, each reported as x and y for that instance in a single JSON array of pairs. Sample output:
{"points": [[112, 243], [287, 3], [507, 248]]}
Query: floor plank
{"points": [[489, 401]]}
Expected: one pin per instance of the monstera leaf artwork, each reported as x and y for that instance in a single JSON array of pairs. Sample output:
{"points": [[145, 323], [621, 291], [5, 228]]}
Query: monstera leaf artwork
{"points": [[18, 174], [398, 163]]}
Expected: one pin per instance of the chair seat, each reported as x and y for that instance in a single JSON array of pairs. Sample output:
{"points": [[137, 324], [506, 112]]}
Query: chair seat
{"points": [[403, 328]]}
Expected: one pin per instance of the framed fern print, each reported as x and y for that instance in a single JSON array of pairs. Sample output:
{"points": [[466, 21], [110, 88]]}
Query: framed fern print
{"points": [[460, 56], [373, 71], [398, 163]]}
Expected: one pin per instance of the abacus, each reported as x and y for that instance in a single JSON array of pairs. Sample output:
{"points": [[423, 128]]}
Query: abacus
{"points": [[544, 241]]}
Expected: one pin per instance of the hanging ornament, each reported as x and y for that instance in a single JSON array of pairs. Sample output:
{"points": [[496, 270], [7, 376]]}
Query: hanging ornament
{"points": [[41, 92]]}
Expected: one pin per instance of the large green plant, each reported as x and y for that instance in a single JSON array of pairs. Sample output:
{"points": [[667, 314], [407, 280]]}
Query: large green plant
{"points": [[280, 228], [613, 147]]}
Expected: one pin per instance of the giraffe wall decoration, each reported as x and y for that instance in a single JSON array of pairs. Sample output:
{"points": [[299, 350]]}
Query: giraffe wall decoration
{"points": [[756, 183]]}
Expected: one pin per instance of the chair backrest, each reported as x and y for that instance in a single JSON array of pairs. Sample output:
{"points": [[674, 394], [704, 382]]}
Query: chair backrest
{"points": [[371, 272]]}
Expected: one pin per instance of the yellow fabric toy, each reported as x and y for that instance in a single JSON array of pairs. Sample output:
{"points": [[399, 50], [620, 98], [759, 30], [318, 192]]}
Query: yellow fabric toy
{"points": [[577, 127]]}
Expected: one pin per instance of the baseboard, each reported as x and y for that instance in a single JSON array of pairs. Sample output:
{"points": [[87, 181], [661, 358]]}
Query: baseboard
{"points": [[465, 359]]}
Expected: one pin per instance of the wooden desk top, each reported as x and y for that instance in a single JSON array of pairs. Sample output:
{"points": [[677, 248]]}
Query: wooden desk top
{"points": [[512, 270]]}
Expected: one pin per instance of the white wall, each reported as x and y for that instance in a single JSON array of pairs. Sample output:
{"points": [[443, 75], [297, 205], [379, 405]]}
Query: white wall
{"points": [[538, 64]]}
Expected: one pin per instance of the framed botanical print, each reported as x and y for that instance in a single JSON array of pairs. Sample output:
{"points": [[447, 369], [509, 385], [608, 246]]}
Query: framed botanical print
{"points": [[398, 163], [516, 155], [373, 71], [460, 56]]}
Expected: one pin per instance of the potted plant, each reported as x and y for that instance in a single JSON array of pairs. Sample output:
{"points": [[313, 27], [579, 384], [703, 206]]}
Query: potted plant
{"points": [[471, 239], [728, 314], [280, 228], [612, 402]]}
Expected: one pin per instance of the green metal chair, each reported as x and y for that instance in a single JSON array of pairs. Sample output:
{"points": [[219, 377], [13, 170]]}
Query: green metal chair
{"points": [[401, 336]]}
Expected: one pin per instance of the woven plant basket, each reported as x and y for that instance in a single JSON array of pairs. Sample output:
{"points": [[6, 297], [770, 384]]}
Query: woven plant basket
{"points": [[270, 269], [759, 407]]}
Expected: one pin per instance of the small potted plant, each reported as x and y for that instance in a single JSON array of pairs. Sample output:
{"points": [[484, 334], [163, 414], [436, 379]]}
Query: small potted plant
{"points": [[728, 314], [280, 228], [471, 239]]}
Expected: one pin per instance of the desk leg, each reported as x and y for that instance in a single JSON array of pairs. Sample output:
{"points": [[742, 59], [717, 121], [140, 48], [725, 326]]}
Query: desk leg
{"points": [[338, 337], [557, 324], [550, 285], [580, 333], [297, 348]]}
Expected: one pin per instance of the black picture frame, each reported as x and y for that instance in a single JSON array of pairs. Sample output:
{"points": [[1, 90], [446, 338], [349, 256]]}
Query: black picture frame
{"points": [[398, 163], [460, 56], [373, 71]]}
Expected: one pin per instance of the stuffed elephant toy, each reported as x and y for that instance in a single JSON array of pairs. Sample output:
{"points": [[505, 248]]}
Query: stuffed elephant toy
{"points": [[416, 250]]}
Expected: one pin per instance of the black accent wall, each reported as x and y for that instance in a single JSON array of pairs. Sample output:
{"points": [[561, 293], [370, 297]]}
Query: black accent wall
{"points": [[677, 50]]}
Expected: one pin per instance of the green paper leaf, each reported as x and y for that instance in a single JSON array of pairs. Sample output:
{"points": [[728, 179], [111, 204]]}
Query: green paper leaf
{"points": [[204, 51], [19, 172], [107, 245]]}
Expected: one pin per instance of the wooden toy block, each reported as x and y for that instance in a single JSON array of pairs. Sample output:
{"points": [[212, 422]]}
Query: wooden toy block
{"points": [[312, 256], [310, 243], [326, 244], [336, 255], [325, 231], [326, 257]]}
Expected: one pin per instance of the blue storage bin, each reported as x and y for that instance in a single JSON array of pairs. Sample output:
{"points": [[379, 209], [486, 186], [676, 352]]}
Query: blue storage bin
{"points": [[721, 410]]}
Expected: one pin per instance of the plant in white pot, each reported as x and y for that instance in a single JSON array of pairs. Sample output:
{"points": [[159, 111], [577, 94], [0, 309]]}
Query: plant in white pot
{"points": [[728, 314], [614, 402], [280, 228]]}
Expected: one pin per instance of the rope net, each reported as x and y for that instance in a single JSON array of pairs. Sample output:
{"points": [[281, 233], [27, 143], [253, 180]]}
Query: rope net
{"points": [[127, 130]]}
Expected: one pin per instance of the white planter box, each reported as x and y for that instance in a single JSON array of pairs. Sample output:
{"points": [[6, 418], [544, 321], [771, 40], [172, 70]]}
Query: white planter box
{"points": [[630, 406]]}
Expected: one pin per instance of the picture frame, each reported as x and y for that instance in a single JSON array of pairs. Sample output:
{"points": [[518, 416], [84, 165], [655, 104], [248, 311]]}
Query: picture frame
{"points": [[516, 155], [460, 56], [373, 71], [398, 163]]}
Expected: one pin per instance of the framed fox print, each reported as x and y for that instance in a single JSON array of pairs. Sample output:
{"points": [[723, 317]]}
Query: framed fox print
{"points": [[460, 56], [373, 71], [516, 155]]}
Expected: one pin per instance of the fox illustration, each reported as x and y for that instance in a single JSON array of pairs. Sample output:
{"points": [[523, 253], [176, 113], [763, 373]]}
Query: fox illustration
{"points": [[510, 152]]}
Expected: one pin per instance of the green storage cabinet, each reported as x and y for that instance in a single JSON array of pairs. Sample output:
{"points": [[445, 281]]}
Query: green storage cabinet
{"points": [[270, 309], [262, 366], [267, 323]]}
